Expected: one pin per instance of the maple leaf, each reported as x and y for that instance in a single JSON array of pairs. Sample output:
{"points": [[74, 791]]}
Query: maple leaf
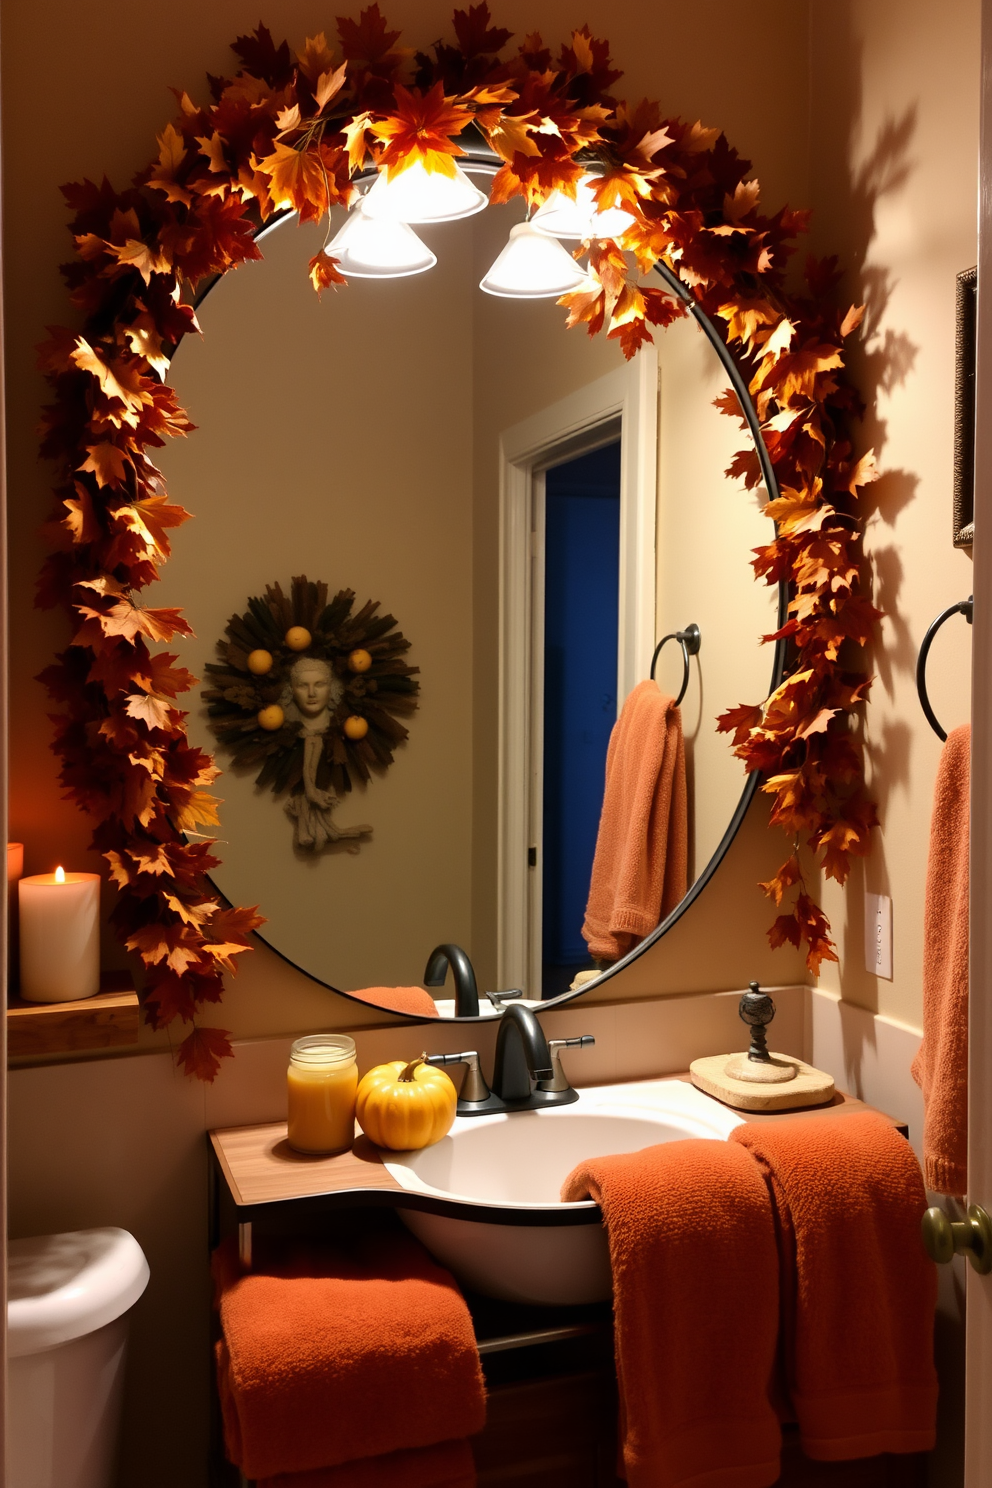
{"points": [[695, 139], [355, 132], [150, 519], [153, 859], [119, 872], [127, 619], [743, 201], [476, 36], [263, 59], [785, 929], [422, 129], [171, 154], [119, 383], [316, 57], [510, 134], [815, 930], [296, 176], [212, 149], [149, 709], [136, 254], [324, 272], [739, 721], [81, 519], [201, 1052], [143, 337], [199, 810], [171, 944], [852, 320], [786, 878]]}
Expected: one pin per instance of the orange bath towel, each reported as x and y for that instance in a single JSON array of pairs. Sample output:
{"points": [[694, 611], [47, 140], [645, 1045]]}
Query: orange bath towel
{"points": [[695, 1289], [858, 1292], [448, 1465], [412, 1002], [941, 1066], [337, 1354], [639, 870]]}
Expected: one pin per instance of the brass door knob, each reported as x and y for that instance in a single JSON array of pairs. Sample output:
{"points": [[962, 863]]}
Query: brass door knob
{"points": [[945, 1238]]}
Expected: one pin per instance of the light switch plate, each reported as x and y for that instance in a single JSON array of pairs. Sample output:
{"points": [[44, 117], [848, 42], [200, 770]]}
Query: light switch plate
{"points": [[878, 935]]}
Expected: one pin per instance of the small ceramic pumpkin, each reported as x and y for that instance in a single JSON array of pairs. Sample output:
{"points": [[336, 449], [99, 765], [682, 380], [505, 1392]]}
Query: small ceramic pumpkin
{"points": [[405, 1106]]}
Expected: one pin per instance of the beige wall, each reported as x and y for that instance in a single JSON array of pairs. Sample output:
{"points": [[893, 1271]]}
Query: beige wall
{"points": [[891, 154], [893, 167]]}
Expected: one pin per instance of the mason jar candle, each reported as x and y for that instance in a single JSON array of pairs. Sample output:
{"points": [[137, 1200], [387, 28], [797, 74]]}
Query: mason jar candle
{"points": [[59, 922], [322, 1081]]}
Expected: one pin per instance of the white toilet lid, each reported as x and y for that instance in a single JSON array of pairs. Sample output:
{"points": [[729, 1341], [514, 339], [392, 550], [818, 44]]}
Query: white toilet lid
{"points": [[62, 1286]]}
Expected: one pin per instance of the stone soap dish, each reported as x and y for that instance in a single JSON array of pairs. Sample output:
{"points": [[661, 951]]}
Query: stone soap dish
{"points": [[761, 1080]]}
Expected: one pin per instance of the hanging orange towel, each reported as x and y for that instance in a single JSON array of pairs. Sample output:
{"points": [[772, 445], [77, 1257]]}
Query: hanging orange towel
{"points": [[639, 870], [448, 1465], [339, 1353], [941, 1066], [413, 1002], [695, 1296], [858, 1291]]}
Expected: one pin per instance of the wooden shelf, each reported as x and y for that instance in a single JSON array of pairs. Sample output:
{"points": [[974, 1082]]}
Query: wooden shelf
{"points": [[109, 1020]]}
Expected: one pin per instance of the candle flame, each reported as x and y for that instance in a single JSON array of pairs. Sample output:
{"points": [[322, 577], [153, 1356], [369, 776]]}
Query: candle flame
{"points": [[60, 875]]}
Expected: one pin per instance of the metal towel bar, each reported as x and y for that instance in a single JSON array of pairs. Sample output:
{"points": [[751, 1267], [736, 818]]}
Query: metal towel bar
{"points": [[964, 607], [689, 639]]}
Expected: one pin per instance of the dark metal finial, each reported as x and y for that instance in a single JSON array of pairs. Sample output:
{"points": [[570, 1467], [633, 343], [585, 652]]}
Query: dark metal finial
{"points": [[757, 1010]]}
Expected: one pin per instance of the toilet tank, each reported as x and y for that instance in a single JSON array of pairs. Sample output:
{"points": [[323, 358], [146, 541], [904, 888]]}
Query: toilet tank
{"points": [[69, 1297]]}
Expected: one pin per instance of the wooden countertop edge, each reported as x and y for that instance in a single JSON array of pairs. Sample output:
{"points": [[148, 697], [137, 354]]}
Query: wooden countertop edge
{"points": [[361, 1169]]}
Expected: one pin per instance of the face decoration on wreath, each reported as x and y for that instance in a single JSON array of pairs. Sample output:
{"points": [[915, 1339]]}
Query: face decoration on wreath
{"points": [[312, 683]]}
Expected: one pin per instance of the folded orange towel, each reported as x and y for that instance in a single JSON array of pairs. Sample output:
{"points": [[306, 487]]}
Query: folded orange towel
{"points": [[340, 1353], [941, 1066], [448, 1465], [695, 1295], [639, 870], [858, 1291], [414, 1002]]}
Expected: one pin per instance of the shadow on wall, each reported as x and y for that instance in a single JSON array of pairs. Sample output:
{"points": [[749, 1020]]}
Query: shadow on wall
{"points": [[882, 361]]}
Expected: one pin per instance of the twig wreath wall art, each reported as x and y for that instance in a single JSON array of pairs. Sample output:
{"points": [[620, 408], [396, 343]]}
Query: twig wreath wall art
{"points": [[291, 131], [307, 691]]}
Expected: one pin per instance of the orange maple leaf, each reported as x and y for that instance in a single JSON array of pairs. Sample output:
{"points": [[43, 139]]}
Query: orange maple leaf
{"points": [[422, 129]]}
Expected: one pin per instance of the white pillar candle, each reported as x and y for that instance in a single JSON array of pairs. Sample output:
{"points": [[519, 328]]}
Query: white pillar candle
{"points": [[60, 936]]}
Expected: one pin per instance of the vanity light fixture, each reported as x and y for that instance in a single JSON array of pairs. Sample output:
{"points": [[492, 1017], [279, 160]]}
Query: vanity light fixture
{"points": [[375, 248], [532, 266], [419, 195], [563, 217]]}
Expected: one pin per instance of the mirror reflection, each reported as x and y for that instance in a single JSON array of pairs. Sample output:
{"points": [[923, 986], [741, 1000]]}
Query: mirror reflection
{"points": [[532, 516]]}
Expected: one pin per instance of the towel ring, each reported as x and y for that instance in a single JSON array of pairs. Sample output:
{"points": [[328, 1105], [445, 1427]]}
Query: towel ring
{"points": [[964, 607], [689, 639]]}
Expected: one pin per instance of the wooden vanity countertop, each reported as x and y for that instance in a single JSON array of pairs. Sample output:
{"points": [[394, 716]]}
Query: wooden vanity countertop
{"points": [[260, 1167]]}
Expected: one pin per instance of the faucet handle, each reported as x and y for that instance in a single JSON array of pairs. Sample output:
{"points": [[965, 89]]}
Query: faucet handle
{"points": [[499, 998], [474, 1087], [558, 1079]]}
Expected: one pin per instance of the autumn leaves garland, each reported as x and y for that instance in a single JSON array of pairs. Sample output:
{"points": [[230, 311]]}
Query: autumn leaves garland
{"points": [[290, 132]]}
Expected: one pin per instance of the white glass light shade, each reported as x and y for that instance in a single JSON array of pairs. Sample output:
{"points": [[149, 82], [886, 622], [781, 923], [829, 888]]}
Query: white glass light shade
{"points": [[418, 195], [532, 266], [561, 217], [369, 249]]}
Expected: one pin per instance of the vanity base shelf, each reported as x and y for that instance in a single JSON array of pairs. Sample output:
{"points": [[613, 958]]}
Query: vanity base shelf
{"points": [[109, 1020]]}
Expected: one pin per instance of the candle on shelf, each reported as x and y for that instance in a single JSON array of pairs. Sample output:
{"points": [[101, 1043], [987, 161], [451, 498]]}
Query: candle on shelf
{"points": [[60, 936]]}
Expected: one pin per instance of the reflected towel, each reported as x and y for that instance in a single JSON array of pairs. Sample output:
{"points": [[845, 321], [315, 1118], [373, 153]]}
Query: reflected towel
{"points": [[413, 1002], [941, 1066], [695, 1296], [339, 1353], [639, 870], [858, 1293]]}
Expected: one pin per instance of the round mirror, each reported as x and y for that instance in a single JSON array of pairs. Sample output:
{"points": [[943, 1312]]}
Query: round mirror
{"points": [[533, 516]]}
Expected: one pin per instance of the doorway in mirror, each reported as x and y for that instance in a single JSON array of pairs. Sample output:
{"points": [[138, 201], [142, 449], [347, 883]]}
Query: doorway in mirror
{"points": [[581, 559]]}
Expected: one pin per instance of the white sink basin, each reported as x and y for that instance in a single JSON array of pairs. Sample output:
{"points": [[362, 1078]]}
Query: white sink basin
{"points": [[504, 1230]]}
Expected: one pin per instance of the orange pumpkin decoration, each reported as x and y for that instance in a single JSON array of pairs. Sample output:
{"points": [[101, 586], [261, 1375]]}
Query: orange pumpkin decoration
{"points": [[406, 1106]]}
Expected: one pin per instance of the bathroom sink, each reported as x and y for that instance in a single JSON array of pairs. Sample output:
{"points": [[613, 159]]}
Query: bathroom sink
{"points": [[503, 1229]]}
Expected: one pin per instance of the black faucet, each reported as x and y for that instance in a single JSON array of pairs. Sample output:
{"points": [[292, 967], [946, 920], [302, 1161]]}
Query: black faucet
{"points": [[527, 1075], [463, 974]]}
